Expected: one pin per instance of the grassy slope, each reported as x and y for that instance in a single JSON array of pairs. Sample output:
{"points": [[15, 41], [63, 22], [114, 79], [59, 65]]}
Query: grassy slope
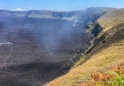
{"points": [[112, 18], [103, 56]]}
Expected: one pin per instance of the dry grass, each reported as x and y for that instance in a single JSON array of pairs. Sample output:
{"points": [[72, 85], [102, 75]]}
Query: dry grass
{"points": [[101, 61], [112, 18]]}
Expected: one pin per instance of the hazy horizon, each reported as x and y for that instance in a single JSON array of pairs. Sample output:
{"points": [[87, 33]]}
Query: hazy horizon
{"points": [[57, 5]]}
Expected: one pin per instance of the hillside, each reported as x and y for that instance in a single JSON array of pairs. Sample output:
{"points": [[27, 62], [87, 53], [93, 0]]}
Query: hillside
{"points": [[107, 50], [38, 46]]}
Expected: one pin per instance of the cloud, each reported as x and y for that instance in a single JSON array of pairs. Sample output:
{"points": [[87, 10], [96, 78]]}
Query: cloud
{"points": [[18, 9], [0, 8]]}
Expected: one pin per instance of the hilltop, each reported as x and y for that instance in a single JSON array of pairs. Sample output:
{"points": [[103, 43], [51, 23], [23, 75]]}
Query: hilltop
{"points": [[106, 51]]}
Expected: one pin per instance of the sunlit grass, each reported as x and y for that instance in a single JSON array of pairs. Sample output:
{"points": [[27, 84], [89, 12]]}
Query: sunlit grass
{"points": [[112, 18], [103, 59], [117, 81], [80, 61]]}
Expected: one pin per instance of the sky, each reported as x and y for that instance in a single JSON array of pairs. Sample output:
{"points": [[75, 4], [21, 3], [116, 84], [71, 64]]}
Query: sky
{"points": [[58, 5]]}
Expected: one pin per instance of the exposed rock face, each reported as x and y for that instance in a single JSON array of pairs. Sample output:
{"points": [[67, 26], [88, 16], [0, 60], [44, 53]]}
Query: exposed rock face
{"points": [[37, 46]]}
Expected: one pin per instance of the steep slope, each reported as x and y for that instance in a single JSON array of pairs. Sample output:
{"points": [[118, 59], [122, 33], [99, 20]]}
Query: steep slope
{"points": [[112, 18], [107, 50], [38, 46]]}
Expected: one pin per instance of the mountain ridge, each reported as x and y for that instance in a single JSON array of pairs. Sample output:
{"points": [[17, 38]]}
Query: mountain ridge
{"points": [[32, 42], [28, 31]]}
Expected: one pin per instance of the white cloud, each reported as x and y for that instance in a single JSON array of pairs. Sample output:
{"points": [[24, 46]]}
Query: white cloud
{"points": [[18, 9], [0, 8]]}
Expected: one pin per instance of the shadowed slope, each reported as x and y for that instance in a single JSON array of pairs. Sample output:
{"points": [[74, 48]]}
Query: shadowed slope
{"points": [[107, 50]]}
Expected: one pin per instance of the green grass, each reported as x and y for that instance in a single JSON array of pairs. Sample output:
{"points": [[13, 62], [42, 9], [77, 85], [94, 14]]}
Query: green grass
{"points": [[117, 81], [79, 61]]}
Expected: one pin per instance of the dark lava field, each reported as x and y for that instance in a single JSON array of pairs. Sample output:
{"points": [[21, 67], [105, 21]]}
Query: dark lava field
{"points": [[34, 51]]}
